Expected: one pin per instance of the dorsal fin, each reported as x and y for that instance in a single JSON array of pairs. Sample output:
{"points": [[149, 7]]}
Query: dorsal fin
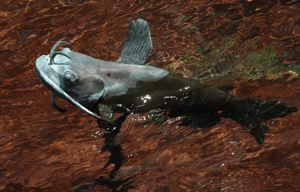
{"points": [[138, 44]]}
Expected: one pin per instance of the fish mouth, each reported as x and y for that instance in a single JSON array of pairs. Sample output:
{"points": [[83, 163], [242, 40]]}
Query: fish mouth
{"points": [[40, 64]]}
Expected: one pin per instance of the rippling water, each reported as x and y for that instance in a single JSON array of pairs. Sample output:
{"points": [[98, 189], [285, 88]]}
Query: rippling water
{"points": [[42, 149]]}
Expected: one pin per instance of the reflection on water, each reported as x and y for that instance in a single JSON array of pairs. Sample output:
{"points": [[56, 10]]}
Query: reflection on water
{"points": [[42, 149]]}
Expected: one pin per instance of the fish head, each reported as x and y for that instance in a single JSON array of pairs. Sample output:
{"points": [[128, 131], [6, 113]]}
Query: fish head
{"points": [[70, 78]]}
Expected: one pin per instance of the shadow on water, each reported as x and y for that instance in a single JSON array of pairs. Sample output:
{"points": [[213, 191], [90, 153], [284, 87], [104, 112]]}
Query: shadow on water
{"points": [[250, 113], [116, 157]]}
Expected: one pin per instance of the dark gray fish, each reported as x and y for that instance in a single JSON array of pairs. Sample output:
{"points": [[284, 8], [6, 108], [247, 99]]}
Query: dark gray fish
{"points": [[83, 80], [129, 86]]}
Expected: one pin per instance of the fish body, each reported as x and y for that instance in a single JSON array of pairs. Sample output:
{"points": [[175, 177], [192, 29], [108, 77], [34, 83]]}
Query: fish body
{"points": [[83, 80], [101, 88], [86, 79]]}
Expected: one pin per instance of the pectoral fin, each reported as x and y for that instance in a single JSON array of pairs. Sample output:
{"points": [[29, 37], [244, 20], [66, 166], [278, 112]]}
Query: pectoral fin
{"points": [[138, 44], [105, 112]]}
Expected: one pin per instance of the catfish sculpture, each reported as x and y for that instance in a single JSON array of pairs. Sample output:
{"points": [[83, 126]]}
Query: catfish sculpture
{"points": [[103, 88]]}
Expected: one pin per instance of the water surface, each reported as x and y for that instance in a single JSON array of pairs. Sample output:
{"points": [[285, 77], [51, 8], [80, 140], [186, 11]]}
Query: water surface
{"points": [[44, 150]]}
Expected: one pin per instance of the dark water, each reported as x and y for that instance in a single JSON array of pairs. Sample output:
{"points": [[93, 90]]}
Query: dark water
{"points": [[44, 150]]}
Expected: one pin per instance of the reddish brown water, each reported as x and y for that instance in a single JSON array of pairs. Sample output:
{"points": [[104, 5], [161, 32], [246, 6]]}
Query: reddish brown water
{"points": [[44, 150]]}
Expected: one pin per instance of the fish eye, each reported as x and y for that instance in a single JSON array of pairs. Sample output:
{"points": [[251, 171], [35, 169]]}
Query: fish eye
{"points": [[70, 76]]}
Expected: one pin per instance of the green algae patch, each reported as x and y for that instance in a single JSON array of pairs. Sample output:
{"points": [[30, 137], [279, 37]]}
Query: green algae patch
{"points": [[232, 58], [295, 67]]}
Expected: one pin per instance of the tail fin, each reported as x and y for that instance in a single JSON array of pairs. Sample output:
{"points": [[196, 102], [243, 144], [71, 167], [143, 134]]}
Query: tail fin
{"points": [[251, 113]]}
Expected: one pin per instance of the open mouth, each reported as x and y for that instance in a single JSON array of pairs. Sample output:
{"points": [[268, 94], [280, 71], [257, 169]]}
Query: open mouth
{"points": [[43, 63]]}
